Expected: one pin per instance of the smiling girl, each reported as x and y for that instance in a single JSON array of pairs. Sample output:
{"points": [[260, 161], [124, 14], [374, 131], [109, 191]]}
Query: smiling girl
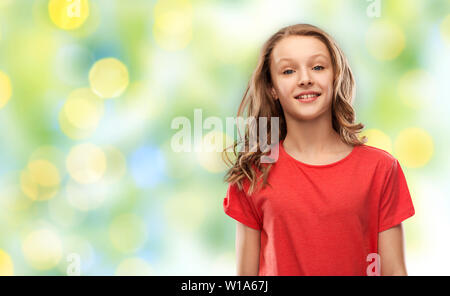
{"points": [[329, 203]]}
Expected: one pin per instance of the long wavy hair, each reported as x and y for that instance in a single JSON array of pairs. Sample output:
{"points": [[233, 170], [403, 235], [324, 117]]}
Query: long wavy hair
{"points": [[258, 102]]}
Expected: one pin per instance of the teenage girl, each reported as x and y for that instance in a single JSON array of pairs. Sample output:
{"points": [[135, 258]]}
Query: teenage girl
{"points": [[329, 204]]}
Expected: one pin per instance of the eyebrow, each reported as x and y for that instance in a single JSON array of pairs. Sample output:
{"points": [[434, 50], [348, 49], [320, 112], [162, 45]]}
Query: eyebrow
{"points": [[311, 57]]}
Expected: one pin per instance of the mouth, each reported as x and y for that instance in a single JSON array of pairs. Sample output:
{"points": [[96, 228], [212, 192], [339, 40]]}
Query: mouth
{"points": [[308, 97]]}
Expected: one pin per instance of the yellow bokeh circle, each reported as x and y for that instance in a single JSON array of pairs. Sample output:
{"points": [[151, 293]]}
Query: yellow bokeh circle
{"points": [[42, 249], [72, 131], [385, 40], [83, 109], [81, 114], [86, 163], [29, 187], [44, 173], [402, 10], [68, 14], [414, 147], [6, 264], [108, 78], [51, 154], [5, 89], [172, 29], [40, 180], [376, 138]]}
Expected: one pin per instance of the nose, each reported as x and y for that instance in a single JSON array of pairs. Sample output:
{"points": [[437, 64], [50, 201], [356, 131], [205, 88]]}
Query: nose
{"points": [[305, 78]]}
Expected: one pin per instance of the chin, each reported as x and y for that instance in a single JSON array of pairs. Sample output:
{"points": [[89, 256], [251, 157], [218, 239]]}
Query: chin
{"points": [[307, 116]]}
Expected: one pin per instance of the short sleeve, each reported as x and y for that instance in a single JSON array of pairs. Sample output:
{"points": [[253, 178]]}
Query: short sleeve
{"points": [[238, 206], [395, 204]]}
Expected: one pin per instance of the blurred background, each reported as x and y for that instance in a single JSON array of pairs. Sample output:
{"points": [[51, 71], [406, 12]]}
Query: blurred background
{"points": [[89, 183]]}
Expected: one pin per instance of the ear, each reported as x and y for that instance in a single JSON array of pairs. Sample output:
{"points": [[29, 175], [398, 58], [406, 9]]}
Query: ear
{"points": [[274, 93]]}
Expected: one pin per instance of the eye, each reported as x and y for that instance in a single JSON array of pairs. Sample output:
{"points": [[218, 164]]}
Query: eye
{"points": [[287, 70], [321, 68]]}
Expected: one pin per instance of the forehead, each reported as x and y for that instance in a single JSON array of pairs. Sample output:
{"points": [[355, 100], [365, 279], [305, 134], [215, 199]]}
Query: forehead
{"points": [[299, 48]]}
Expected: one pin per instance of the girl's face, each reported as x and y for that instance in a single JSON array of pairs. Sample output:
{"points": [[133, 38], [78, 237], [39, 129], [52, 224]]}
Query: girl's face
{"points": [[302, 64]]}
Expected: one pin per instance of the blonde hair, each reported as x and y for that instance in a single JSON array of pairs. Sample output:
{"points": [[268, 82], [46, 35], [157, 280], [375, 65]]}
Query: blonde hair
{"points": [[258, 102]]}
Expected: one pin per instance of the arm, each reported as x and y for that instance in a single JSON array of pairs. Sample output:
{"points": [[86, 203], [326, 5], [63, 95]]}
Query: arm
{"points": [[391, 251], [247, 249]]}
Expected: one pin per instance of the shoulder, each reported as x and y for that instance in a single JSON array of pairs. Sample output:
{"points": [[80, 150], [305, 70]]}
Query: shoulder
{"points": [[377, 155]]}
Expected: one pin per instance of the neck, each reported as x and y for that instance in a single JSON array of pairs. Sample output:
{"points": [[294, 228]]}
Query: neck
{"points": [[312, 137]]}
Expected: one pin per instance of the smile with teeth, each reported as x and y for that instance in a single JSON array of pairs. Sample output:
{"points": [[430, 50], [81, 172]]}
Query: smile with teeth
{"points": [[307, 96]]}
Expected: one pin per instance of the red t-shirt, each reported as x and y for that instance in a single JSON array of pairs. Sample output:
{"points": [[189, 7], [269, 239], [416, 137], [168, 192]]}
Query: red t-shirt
{"points": [[323, 219]]}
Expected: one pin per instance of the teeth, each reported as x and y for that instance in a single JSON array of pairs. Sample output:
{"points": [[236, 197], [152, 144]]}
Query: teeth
{"points": [[308, 96]]}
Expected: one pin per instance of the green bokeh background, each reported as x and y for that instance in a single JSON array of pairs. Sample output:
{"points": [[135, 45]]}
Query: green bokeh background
{"points": [[164, 215]]}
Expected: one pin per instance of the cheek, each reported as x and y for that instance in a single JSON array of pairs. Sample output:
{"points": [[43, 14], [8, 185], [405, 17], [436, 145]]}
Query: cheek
{"points": [[284, 87], [326, 83]]}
